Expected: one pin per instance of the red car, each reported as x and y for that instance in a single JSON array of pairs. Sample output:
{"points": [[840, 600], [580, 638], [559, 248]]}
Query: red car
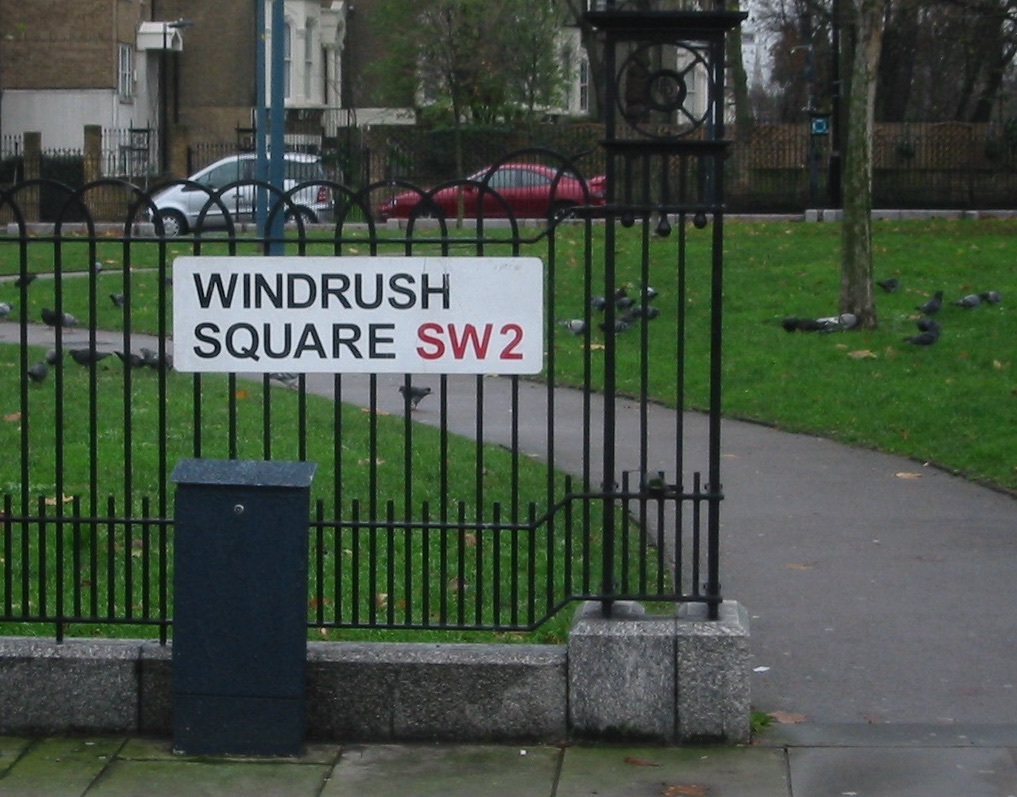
{"points": [[524, 190]]}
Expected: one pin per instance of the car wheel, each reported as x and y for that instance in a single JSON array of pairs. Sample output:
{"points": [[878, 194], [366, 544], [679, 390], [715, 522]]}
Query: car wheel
{"points": [[563, 210], [305, 215], [425, 212], [173, 223]]}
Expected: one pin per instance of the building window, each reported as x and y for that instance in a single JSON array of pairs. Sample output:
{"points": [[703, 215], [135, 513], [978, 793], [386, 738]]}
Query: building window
{"points": [[584, 84], [125, 71]]}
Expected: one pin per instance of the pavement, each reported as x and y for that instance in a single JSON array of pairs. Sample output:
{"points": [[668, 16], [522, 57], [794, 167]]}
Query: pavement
{"points": [[881, 593], [887, 764]]}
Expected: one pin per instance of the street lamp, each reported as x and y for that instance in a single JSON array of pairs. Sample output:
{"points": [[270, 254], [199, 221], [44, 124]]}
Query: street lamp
{"points": [[178, 24]]}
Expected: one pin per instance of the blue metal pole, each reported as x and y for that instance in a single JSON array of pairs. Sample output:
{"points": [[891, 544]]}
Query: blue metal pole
{"points": [[277, 115], [260, 111]]}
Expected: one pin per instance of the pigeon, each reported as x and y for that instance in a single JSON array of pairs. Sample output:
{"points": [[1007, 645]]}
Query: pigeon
{"points": [[992, 297], [598, 302], [290, 380], [836, 323], [97, 268], [929, 333], [118, 299], [624, 302], [129, 358], [5, 309], [890, 285], [933, 305], [52, 357], [52, 319], [926, 338], [153, 360], [969, 301], [38, 372], [793, 324], [648, 294], [643, 311], [412, 394], [620, 325], [88, 356], [26, 280], [576, 326]]}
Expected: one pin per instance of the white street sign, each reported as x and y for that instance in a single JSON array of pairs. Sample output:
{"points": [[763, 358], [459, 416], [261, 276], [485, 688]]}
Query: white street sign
{"points": [[454, 315]]}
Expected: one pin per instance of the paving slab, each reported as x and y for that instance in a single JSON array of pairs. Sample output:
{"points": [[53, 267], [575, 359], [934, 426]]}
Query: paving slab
{"points": [[11, 748], [672, 772], [59, 767], [896, 772], [433, 771], [211, 778]]}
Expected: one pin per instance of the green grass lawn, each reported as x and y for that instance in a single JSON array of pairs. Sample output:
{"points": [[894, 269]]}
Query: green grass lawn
{"points": [[951, 404], [111, 459]]}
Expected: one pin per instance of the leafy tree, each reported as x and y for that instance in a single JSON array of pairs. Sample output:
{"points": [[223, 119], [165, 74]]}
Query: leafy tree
{"points": [[475, 62]]}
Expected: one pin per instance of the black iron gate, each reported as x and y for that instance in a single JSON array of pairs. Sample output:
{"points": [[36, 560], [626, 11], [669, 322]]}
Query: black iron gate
{"points": [[442, 501]]}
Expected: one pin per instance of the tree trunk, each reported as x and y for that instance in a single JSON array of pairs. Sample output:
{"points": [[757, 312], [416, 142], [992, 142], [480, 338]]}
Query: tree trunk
{"points": [[856, 295], [739, 78]]}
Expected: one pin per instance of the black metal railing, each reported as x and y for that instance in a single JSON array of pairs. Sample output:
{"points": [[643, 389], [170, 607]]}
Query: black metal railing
{"points": [[486, 508]]}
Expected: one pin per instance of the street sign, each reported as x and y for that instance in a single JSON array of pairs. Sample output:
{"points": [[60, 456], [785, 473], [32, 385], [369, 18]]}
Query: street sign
{"points": [[455, 315]]}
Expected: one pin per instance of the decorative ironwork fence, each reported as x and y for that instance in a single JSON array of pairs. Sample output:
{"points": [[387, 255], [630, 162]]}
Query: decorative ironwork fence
{"points": [[441, 501]]}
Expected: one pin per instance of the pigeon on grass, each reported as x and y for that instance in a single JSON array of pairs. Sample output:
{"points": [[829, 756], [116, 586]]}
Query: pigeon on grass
{"points": [[932, 306], [38, 372], [88, 357]]}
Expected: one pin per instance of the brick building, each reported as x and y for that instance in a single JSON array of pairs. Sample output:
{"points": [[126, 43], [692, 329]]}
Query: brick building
{"points": [[169, 67]]}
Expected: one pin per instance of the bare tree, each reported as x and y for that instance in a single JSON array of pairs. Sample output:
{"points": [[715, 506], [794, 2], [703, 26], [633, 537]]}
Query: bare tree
{"points": [[856, 285]]}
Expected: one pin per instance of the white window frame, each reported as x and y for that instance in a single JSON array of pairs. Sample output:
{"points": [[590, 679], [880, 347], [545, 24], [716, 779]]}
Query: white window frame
{"points": [[125, 72]]}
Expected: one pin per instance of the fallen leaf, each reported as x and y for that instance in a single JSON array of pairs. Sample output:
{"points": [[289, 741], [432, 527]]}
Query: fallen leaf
{"points": [[366, 461], [596, 347], [862, 354], [788, 717], [13, 417], [640, 762], [381, 599], [376, 412], [997, 364], [64, 500], [685, 790], [906, 475], [798, 566], [241, 394]]}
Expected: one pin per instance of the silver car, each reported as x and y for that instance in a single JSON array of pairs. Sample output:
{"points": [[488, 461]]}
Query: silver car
{"points": [[180, 205]]}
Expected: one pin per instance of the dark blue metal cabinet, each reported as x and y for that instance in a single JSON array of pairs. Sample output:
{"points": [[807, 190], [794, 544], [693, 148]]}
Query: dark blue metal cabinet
{"points": [[240, 606]]}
